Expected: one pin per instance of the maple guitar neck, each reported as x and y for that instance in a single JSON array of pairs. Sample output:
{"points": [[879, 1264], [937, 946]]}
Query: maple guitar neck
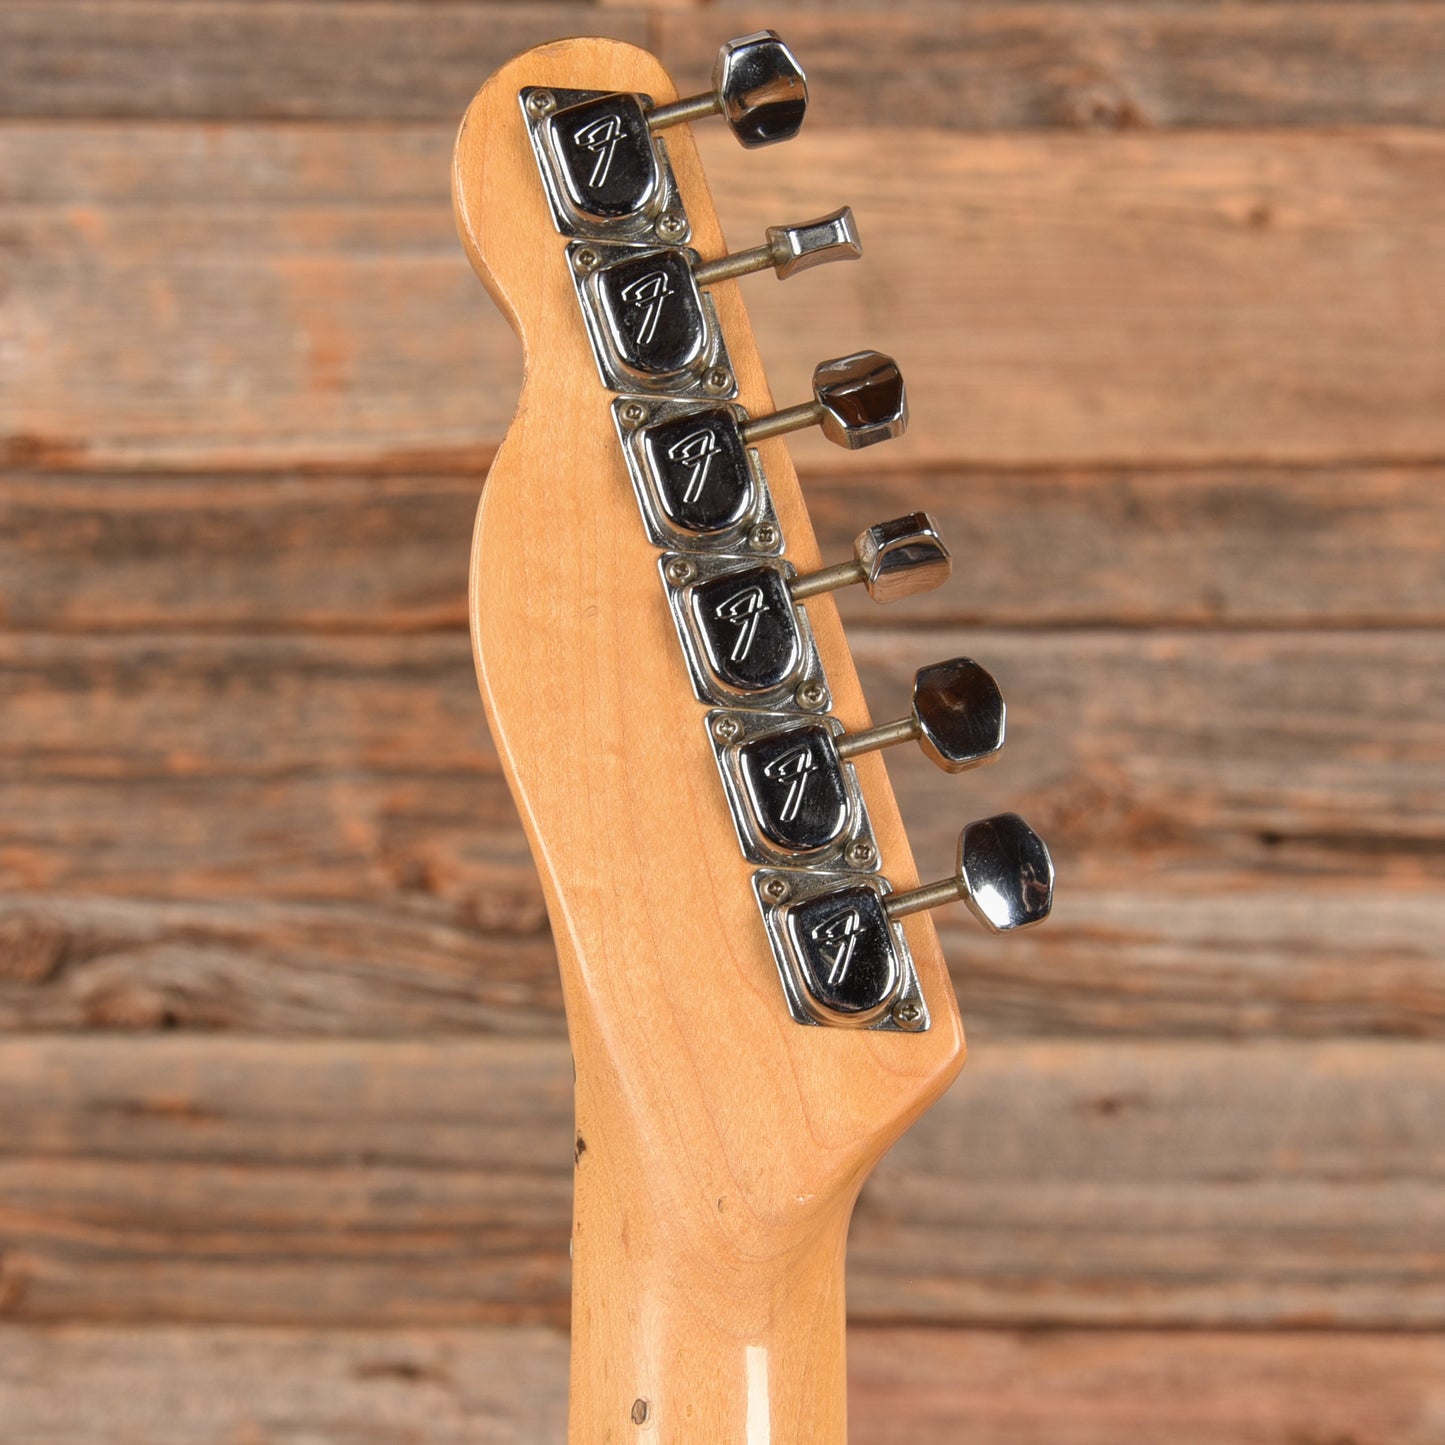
{"points": [[730, 1098]]}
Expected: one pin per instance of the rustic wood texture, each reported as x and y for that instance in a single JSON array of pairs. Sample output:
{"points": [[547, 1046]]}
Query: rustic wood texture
{"points": [[285, 1151], [428, 1181], [77, 1385]]}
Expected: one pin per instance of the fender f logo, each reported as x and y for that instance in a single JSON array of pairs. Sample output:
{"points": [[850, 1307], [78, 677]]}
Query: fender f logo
{"points": [[836, 938], [600, 138], [645, 297], [695, 452], [743, 609], [794, 768]]}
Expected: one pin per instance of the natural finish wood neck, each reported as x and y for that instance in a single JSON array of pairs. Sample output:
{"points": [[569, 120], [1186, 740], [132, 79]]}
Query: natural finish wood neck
{"points": [[720, 1145]]}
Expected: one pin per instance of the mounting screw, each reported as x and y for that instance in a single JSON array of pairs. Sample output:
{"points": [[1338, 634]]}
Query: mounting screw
{"points": [[541, 102], [776, 889], [633, 413], [907, 1015], [640, 1412], [727, 729], [718, 381], [811, 695], [680, 571], [586, 261], [671, 226], [764, 537], [861, 853]]}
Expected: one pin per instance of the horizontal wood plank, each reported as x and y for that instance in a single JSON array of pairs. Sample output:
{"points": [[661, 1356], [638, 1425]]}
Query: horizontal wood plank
{"points": [[310, 834], [975, 67], [1096, 66], [287, 59], [389, 1183], [76, 1385], [1245, 546], [1054, 300]]}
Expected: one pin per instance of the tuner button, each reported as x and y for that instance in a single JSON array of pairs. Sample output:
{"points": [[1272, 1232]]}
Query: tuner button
{"points": [[957, 717], [863, 399], [761, 89], [814, 243], [1007, 874], [1004, 874], [959, 713], [844, 950], [903, 557]]}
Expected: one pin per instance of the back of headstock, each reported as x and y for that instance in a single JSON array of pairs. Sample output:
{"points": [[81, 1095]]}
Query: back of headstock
{"points": [[674, 702]]}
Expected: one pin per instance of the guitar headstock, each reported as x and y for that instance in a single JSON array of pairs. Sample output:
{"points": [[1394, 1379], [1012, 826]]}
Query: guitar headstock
{"points": [[755, 993]]}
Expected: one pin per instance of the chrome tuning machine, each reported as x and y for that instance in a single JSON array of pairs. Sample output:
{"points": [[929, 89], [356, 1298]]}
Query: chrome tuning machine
{"points": [[744, 628], [646, 309], [858, 400], [1004, 874], [605, 172]]}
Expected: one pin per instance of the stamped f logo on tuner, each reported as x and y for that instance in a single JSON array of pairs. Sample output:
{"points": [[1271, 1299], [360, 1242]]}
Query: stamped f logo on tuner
{"points": [[836, 938], [794, 767], [743, 609], [600, 138], [695, 451], [645, 296]]}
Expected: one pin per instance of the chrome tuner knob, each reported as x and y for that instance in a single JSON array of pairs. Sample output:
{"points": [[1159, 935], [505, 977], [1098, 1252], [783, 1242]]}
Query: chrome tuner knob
{"points": [[893, 560], [790, 249], [1004, 874], [758, 87], [857, 400], [957, 718]]}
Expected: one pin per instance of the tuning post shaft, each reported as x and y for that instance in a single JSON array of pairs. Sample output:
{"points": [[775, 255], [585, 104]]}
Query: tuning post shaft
{"points": [[790, 249]]}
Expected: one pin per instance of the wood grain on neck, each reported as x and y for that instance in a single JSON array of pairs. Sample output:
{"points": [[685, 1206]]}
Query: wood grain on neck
{"points": [[720, 1145]]}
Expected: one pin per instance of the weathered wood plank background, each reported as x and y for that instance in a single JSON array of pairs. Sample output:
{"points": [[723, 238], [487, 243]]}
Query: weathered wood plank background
{"points": [[284, 1090]]}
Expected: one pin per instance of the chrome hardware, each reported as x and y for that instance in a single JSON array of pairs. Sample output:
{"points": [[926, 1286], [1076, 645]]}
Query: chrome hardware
{"points": [[757, 87], [697, 485], [606, 176], [893, 560], [741, 634], [857, 400], [648, 303], [957, 718], [792, 799], [1004, 874], [790, 249], [841, 958], [650, 327]]}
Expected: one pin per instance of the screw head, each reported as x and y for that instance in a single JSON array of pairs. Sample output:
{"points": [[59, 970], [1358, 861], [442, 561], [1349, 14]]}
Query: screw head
{"points": [[718, 381], [907, 1015], [633, 413], [776, 889], [680, 571], [671, 226], [586, 261], [860, 853], [727, 729], [764, 537], [811, 695], [541, 102]]}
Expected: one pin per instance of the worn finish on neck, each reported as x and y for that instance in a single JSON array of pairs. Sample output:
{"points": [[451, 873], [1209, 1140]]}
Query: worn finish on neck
{"points": [[721, 1145]]}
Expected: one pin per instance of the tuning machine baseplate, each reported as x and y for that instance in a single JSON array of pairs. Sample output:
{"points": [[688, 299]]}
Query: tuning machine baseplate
{"points": [[841, 959]]}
